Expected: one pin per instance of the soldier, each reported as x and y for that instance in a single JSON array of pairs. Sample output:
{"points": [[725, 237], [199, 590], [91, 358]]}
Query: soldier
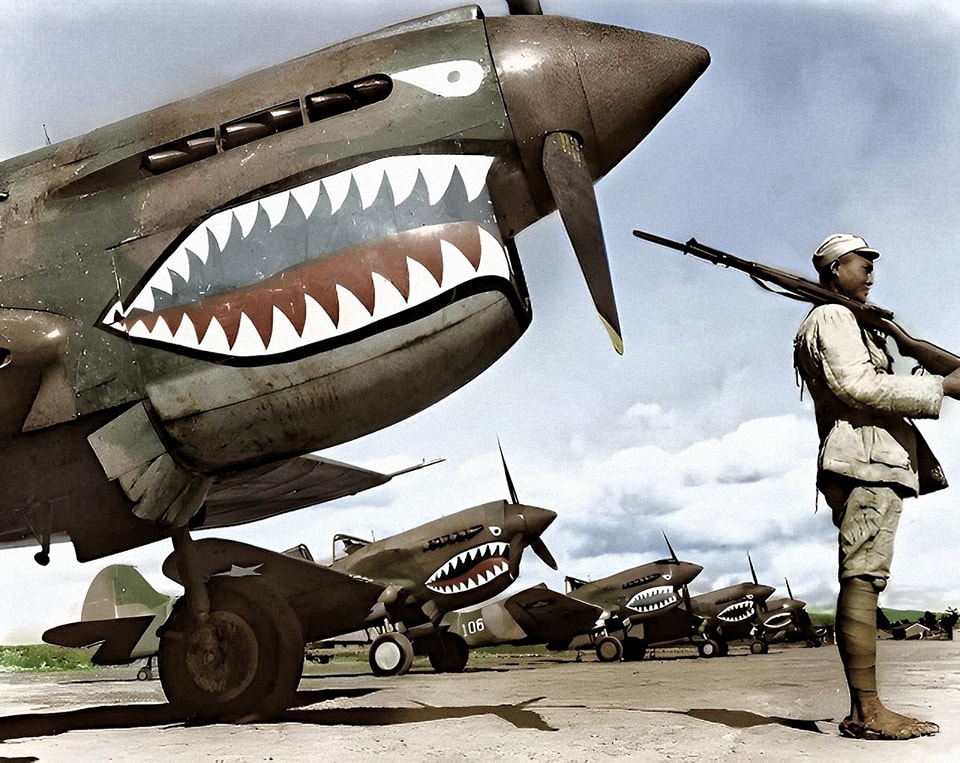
{"points": [[871, 457]]}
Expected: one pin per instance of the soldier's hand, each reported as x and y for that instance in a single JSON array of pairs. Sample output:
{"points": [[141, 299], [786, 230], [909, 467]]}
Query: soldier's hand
{"points": [[951, 384]]}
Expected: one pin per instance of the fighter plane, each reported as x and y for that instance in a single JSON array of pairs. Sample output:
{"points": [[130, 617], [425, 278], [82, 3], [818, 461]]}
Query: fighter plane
{"points": [[442, 566], [784, 619], [403, 585], [193, 298], [619, 615], [729, 614], [535, 615], [644, 606]]}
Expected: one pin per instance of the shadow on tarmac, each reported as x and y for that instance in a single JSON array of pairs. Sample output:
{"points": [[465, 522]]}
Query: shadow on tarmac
{"points": [[744, 719], [142, 715]]}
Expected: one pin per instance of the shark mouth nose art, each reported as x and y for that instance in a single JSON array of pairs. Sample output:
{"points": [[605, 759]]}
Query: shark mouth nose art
{"points": [[310, 265], [471, 569], [778, 621], [737, 612], [653, 599]]}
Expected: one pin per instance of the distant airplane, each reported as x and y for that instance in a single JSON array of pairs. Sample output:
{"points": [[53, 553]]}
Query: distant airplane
{"points": [[619, 616], [193, 298], [457, 561], [535, 615], [729, 614], [784, 620], [402, 585]]}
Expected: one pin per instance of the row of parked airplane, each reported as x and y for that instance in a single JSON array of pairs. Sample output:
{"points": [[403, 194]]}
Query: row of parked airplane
{"points": [[432, 590], [197, 299]]}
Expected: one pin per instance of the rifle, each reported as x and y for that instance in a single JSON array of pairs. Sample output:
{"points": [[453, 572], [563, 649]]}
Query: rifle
{"points": [[931, 357]]}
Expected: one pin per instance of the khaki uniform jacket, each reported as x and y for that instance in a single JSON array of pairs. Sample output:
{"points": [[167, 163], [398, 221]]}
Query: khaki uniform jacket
{"points": [[862, 408]]}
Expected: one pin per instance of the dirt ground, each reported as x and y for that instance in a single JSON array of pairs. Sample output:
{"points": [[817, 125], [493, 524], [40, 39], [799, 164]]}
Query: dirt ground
{"points": [[782, 706]]}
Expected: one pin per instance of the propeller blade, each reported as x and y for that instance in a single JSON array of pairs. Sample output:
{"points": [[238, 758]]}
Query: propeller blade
{"points": [[568, 177], [753, 572], [506, 473], [541, 550], [524, 7], [516, 551], [789, 592], [673, 554]]}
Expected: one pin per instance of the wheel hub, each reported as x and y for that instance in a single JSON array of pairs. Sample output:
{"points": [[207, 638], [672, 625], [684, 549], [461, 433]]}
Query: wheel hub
{"points": [[222, 655], [388, 655]]}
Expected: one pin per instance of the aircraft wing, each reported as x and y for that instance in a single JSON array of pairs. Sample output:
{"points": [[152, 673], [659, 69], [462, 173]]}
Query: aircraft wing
{"points": [[295, 483], [327, 602], [549, 616], [118, 637]]}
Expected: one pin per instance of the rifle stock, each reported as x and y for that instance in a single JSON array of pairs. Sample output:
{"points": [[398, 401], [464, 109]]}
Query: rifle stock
{"points": [[933, 358]]}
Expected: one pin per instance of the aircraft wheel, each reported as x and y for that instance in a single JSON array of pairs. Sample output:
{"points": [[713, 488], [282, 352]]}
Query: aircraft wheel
{"points": [[709, 648], [448, 653], [245, 658], [609, 649], [391, 654], [143, 674], [634, 649], [759, 647]]}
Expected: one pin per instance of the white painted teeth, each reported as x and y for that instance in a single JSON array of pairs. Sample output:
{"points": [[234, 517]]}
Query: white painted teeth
{"points": [[742, 610], [402, 173], [653, 599], [778, 621], [468, 558]]}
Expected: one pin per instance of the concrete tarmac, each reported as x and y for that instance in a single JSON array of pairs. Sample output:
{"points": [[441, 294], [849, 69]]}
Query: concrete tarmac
{"points": [[782, 706]]}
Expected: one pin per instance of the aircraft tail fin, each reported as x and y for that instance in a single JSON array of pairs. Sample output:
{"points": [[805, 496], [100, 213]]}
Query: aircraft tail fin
{"points": [[121, 591], [121, 613]]}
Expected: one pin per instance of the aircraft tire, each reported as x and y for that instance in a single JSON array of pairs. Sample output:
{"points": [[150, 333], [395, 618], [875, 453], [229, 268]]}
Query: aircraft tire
{"points": [[633, 649], [244, 660], [759, 647], [708, 648], [448, 653], [609, 649], [391, 654]]}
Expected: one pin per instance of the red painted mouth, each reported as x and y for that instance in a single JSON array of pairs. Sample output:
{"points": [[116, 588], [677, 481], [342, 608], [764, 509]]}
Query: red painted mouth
{"points": [[255, 288]]}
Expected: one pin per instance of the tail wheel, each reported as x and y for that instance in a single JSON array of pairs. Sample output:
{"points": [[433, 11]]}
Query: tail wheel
{"points": [[709, 648], [759, 647], [448, 653], [391, 654], [609, 649], [245, 658]]}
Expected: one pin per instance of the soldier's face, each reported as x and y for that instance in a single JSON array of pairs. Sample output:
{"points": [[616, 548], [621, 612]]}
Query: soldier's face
{"points": [[854, 276]]}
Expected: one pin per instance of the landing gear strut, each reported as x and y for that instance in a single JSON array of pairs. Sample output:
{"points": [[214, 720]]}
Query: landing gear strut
{"points": [[232, 649]]}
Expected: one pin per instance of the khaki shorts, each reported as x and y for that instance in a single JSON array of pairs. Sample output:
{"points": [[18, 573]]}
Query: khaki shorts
{"points": [[867, 517]]}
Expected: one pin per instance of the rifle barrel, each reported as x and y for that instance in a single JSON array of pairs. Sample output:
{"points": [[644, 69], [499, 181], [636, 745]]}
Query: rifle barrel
{"points": [[935, 359]]}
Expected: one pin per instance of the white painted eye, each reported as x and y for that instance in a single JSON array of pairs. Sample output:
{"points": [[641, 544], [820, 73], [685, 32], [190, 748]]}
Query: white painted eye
{"points": [[495, 532], [450, 79], [668, 576]]}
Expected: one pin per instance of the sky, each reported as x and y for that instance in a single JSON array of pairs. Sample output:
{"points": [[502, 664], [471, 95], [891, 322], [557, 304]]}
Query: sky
{"points": [[814, 117]]}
